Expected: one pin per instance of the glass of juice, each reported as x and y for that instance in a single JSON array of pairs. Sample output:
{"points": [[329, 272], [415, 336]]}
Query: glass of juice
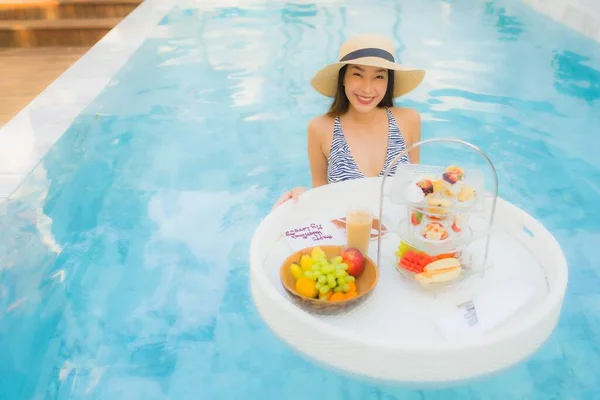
{"points": [[359, 221]]}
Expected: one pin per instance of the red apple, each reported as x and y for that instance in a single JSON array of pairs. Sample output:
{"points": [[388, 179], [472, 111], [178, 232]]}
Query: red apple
{"points": [[355, 261]]}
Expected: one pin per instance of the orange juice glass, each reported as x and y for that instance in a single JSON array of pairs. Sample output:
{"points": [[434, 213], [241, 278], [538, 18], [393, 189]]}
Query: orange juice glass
{"points": [[359, 222]]}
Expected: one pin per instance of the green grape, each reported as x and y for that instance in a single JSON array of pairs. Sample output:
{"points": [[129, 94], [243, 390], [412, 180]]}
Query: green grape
{"points": [[322, 279], [344, 266], [342, 280], [332, 282], [340, 273], [318, 285], [323, 296], [337, 260], [317, 274], [316, 267], [310, 275], [345, 287], [350, 278], [324, 289], [337, 289]]}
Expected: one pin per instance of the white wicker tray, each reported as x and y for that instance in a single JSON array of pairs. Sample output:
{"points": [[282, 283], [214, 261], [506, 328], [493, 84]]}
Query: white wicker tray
{"points": [[393, 336]]}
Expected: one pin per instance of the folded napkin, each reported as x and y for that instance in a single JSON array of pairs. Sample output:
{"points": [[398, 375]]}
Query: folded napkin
{"points": [[488, 309]]}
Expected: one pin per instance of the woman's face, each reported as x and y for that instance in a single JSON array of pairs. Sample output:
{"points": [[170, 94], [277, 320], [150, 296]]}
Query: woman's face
{"points": [[365, 86]]}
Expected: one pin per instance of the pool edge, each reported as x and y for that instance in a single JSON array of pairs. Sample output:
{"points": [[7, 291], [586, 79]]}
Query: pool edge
{"points": [[26, 137], [572, 14]]}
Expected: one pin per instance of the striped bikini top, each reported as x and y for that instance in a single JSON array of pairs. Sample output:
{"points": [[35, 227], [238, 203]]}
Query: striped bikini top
{"points": [[341, 165]]}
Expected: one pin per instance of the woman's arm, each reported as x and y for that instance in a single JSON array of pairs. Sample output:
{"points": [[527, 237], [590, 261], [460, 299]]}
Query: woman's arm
{"points": [[316, 158]]}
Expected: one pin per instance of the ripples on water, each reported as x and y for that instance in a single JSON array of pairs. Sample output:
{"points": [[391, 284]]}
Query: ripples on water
{"points": [[124, 254]]}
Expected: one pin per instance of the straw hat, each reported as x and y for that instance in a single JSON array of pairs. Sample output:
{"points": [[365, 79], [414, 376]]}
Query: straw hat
{"points": [[368, 50]]}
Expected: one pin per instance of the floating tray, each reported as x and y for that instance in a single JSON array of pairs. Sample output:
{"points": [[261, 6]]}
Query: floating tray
{"points": [[395, 334]]}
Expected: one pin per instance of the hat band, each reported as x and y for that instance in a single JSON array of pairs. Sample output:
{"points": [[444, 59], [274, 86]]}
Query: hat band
{"points": [[368, 52]]}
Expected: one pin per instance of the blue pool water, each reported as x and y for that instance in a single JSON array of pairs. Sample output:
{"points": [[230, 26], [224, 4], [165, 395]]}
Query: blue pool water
{"points": [[124, 254]]}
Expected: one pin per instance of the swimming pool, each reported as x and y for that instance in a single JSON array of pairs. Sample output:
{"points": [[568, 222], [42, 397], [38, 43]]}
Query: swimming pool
{"points": [[124, 253]]}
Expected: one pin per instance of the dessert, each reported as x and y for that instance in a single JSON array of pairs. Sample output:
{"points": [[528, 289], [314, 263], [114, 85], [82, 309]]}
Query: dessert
{"points": [[414, 194], [458, 222], [434, 231], [453, 174], [466, 193], [443, 188], [426, 186], [416, 217], [437, 206], [444, 270]]}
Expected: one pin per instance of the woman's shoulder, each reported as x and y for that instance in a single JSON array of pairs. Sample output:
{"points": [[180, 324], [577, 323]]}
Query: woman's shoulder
{"points": [[321, 124], [407, 114], [409, 122]]}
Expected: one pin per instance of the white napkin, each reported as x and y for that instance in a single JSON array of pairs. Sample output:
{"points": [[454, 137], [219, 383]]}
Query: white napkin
{"points": [[488, 309]]}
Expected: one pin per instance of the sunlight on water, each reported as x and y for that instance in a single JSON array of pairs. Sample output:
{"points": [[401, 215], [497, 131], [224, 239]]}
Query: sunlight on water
{"points": [[124, 255]]}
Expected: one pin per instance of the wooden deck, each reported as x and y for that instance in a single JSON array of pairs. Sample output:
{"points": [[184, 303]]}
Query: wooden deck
{"points": [[40, 39], [28, 71], [65, 9], [39, 23]]}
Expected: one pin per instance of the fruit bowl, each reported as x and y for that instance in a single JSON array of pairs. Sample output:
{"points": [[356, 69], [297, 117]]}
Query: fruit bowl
{"points": [[320, 295]]}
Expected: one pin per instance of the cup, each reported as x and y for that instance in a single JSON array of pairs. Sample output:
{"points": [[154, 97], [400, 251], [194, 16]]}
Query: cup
{"points": [[359, 222]]}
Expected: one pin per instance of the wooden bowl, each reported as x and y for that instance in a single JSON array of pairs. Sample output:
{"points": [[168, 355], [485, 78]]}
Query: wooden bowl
{"points": [[365, 283]]}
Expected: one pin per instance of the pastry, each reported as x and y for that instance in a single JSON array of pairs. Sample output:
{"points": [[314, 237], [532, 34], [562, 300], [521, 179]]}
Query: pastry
{"points": [[434, 231], [425, 185], [414, 194], [453, 174], [437, 206], [466, 193], [444, 270], [442, 187]]}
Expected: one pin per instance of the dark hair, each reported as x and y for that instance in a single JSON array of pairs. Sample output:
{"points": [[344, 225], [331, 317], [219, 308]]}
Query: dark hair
{"points": [[341, 103]]}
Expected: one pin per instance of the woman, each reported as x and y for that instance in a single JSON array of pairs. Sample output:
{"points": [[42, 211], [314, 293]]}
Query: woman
{"points": [[362, 131]]}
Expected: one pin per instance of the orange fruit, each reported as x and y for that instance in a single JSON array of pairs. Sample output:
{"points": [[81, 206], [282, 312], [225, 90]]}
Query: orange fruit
{"points": [[351, 294], [306, 287], [352, 287], [337, 297]]}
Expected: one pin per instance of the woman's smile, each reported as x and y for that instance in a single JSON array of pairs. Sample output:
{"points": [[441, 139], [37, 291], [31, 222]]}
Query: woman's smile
{"points": [[365, 100]]}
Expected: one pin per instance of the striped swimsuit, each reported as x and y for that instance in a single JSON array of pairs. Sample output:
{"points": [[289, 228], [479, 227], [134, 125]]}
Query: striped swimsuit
{"points": [[341, 165]]}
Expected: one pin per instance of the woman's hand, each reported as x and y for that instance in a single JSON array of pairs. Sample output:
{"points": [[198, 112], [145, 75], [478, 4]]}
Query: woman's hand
{"points": [[293, 194]]}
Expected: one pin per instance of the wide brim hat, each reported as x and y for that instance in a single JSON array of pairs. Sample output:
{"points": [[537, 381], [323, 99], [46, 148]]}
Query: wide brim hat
{"points": [[368, 50]]}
